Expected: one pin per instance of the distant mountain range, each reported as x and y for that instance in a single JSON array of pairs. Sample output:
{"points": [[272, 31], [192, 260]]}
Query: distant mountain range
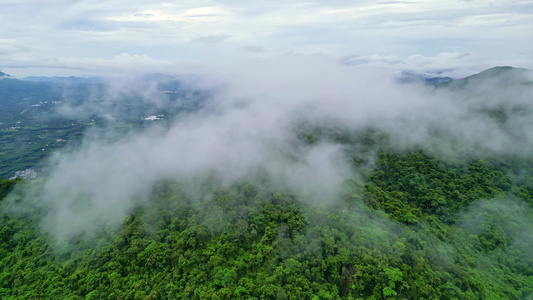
{"points": [[504, 75], [498, 76], [65, 80], [410, 77]]}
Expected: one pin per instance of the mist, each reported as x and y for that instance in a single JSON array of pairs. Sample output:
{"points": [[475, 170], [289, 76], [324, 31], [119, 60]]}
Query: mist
{"points": [[251, 122]]}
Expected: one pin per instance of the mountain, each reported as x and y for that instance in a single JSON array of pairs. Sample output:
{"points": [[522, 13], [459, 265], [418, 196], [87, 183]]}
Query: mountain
{"points": [[446, 215], [410, 77], [65, 80], [495, 77], [418, 228]]}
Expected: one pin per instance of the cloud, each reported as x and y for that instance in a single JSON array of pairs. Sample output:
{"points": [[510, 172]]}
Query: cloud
{"points": [[503, 223], [211, 40], [88, 25], [252, 123], [121, 63], [337, 28], [12, 47], [250, 126], [453, 64], [253, 49]]}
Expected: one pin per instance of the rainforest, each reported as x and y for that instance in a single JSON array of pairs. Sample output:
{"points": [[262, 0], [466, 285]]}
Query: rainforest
{"points": [[162, 187]]}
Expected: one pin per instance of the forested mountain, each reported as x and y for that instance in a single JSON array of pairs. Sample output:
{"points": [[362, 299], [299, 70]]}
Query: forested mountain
{"points": [[497, 75], [443, 217]]}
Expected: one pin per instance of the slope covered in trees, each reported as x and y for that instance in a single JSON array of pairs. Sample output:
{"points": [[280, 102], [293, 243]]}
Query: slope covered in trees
{"points": [[412, 221], [418, 229]]}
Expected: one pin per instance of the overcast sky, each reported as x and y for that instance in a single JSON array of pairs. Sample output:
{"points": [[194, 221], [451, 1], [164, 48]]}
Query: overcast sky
{"points": [[68, 37]]}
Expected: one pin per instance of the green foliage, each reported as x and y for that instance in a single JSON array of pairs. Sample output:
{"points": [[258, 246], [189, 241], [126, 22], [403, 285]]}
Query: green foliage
{"points": [[413, 184], [6, 186], [418, 229]]}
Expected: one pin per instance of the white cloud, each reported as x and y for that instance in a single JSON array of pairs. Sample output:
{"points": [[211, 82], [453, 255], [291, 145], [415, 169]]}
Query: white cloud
{"points": [[165, 30], [251, 124], [211, 40]]}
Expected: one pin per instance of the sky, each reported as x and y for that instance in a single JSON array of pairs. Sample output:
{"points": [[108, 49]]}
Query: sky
{"points": [[92, 37]]}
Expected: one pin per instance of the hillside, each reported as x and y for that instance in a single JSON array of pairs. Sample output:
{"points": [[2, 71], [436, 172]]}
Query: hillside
{"points": [[405, 234], [500, 76], [437, 207]]}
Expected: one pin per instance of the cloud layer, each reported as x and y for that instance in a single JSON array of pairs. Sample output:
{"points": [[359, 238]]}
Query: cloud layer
{"points": [[251, 123], [92, 34]]}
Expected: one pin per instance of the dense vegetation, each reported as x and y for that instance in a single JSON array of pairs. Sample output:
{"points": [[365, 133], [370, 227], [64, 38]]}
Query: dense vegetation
{"points": [[410, 224], [418, 229]]}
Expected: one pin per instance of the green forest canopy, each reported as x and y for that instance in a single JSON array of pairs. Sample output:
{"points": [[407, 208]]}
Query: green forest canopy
{"points": [[414, 225], [418, 228]]}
